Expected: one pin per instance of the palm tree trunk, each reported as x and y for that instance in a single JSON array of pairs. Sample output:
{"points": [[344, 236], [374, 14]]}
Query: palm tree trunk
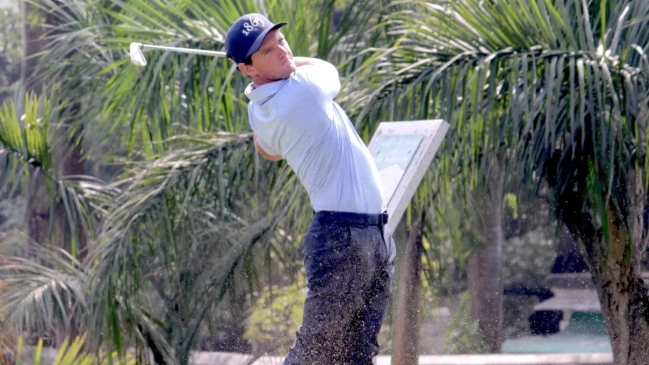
{"points": [[70, 163], [614, 258], [625, 307], [46, 219], [39, 210], [406, 337], [622, 294], [33, 31], [485, 275], [33, 43]]}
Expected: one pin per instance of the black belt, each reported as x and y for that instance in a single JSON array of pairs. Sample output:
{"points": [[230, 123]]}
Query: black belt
{"points": [[356, 219]]}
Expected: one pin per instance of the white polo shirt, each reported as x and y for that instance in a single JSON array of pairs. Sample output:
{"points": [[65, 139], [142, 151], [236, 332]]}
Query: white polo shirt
{"points": [[299, 119]]}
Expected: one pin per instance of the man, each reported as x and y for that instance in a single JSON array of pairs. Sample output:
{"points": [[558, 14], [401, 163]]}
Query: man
{"points": [[348, 251]]}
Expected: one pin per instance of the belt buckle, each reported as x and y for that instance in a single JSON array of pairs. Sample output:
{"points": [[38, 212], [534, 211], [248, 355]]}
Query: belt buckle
{"points": [[384, 218]]}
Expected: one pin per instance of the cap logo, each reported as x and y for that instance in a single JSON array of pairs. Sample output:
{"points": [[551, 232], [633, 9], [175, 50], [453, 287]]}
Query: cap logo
{"points": [[252, 24]]}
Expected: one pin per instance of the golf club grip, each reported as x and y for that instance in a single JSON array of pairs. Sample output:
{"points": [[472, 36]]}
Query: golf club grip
{"points": [[186, 50]]}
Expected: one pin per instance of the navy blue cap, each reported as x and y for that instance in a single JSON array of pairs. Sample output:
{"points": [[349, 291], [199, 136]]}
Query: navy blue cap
{"points": [[246, 35]]}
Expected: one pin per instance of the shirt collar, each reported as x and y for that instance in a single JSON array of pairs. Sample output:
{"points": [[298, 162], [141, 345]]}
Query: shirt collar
{"points": [[258, 94]]}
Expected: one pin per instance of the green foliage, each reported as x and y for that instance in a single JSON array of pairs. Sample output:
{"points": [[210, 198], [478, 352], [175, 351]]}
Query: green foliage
{"points": [[275, 318], [178, 229], [529, 257], [51, 289], [172, 230], [561, 85], [26, 145], [542, 84], [182, 196], [10, 51], [513, 73], [7, 335], [511, 201], [463, 335], [26, 137], [71, 353]]}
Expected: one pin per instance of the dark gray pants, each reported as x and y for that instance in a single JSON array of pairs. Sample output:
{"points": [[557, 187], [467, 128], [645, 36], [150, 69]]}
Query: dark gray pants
{"points": [[349, 262]]}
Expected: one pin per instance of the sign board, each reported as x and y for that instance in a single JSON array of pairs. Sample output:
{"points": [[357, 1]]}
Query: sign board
{"points": [[403, 151]]}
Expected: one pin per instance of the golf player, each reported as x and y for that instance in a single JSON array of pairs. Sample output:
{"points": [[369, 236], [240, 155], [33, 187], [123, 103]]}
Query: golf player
{"points": [[348, 251]]}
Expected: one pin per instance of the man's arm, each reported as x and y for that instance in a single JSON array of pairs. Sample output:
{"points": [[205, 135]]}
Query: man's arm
{"points": [[263, 153], [322, 74]]}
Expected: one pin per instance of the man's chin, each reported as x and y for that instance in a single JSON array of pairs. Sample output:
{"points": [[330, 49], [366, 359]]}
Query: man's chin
{"points": [[290, 70], [284, 76]]}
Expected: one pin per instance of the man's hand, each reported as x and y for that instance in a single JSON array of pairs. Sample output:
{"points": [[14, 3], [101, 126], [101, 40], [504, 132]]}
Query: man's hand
{"points": [[263, 153]]}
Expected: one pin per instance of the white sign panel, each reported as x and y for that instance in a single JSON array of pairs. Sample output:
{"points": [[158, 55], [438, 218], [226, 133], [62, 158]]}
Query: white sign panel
{"points": [[403, 151]]}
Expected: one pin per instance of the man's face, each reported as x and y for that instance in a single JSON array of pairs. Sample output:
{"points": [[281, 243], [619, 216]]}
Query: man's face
{"points": [[273, 60]]}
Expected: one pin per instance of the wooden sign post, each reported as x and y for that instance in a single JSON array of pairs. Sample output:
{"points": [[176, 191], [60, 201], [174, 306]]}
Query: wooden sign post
{"points": [[403, 151]]}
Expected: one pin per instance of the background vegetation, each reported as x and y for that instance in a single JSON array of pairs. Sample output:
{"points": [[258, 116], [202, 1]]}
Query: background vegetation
{"points": [[135, 212]]}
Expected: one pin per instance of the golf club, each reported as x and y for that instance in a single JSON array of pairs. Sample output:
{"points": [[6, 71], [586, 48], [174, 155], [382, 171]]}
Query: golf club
{"points": [[137, 57]]}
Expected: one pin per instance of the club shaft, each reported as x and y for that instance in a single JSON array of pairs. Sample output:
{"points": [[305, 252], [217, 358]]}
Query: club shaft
{"points": [[186, 50]]}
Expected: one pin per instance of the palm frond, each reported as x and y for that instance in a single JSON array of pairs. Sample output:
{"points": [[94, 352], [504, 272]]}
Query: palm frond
{"points": [[178, 229], [528, 65], [181, 194], [26, 143], [24, 136], [44, 292]]}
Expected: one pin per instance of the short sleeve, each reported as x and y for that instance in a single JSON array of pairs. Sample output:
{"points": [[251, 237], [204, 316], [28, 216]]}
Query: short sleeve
{"points": [[270, 150], [265, 135], [323, 78]]}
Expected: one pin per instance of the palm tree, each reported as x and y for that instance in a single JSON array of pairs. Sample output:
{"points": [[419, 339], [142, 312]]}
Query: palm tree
{"points": [[180, 199], [561, 85]]}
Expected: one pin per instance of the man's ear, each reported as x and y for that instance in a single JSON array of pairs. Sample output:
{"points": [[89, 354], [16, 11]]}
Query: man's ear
{"points": [[247, 70]]}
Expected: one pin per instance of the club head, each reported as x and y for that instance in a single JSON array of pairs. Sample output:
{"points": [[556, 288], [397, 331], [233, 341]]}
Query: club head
{"points": [[137, 57]]}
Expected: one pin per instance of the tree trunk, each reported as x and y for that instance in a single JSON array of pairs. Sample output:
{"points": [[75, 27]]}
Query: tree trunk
{"points": [[41, 229], [623, 296], [33, 31], [614, 253], [47, 221], [406, 336], [68, 231], [34, 28], [625, 307], [485, 275]]}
